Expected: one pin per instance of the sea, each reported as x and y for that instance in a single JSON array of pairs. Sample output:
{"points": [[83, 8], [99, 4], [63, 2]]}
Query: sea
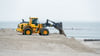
{"points": [[83, 30]]}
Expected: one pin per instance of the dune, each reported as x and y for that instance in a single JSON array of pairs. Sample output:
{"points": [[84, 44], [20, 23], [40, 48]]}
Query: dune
{"points": [[13, 43]]}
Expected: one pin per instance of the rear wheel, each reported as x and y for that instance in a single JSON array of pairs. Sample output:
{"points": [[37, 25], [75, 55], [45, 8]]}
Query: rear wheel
{"points": [[27, 32], [40, 34], [44, 32]]}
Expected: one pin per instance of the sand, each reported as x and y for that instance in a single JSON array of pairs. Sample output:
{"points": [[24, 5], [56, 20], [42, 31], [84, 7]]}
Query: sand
{"points": [[13, 43]]}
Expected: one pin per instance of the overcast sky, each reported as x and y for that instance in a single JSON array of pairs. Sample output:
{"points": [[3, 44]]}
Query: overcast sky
{"points": [[58, 10]]}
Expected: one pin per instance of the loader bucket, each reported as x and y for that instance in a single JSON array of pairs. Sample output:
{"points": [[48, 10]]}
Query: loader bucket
{"points": [[59, 27]]}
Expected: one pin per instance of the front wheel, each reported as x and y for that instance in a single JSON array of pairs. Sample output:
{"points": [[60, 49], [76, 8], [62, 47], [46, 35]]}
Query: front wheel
{"points": [[44, 32]]}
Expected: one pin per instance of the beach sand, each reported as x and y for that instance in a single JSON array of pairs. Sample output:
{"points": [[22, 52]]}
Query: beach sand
{"points": [[13, 43]]}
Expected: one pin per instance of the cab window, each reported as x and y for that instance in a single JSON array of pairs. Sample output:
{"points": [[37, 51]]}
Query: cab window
{"points": [[34, 21]]}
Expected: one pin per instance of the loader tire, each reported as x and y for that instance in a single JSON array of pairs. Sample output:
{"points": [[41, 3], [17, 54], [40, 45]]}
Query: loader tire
{"points": [[44, 32], [40, 34], [27, 32]]}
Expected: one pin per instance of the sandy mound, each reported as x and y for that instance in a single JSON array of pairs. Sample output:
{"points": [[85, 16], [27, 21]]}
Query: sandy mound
{"points": [[11, 40], [7, 32]]}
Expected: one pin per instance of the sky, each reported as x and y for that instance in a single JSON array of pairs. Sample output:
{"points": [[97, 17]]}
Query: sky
{"points": [[56, 10]]}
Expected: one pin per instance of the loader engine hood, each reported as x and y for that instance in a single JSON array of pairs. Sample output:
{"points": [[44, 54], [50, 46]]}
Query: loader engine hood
{"points": [[21, 25]]}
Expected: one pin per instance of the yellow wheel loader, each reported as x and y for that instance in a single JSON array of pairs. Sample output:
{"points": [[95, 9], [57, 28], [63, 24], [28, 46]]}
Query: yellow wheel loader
{"points": [[33, 26]]}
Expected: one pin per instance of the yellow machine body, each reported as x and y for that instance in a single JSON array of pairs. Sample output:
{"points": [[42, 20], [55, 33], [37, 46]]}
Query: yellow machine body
{"points": [[33, 26], [22, 26]]}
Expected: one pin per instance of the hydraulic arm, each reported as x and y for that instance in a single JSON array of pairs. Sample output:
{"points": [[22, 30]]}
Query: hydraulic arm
{"points": [[58, 26]]}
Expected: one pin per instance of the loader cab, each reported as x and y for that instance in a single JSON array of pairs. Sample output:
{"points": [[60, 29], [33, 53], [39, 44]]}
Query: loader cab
{"points": [[34, 20]]}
